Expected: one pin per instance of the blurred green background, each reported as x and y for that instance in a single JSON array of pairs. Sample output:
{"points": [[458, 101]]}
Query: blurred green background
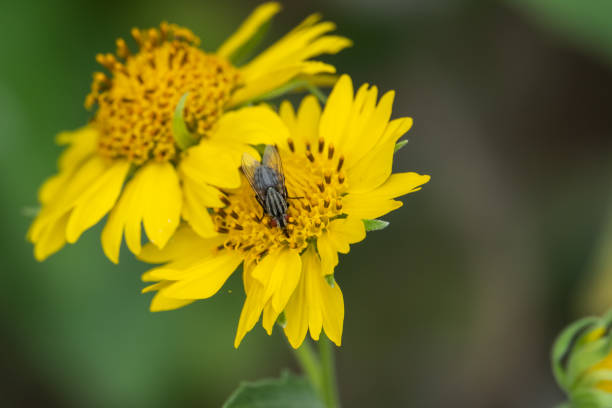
{"points": [[455, 304]]}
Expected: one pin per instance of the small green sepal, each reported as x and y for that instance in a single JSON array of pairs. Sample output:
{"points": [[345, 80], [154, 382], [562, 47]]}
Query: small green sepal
{"points": [[281, 320], [375, 225], [399, 145], [331, 281], [183, 138]]}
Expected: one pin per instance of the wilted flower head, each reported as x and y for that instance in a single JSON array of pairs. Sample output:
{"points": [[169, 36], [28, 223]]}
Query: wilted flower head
{"points": [[582, 362], [152, 105], [337, 165]]}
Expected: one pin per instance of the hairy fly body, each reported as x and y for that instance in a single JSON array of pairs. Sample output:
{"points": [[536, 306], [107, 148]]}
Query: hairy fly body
{"points": [[268, 181]]}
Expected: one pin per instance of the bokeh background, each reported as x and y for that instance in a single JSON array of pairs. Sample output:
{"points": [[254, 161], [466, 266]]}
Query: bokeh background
{"points": [[456, 304]]}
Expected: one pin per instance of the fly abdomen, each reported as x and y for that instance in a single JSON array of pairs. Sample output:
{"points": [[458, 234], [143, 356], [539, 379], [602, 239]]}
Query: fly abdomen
{"points": [[276, 205]]}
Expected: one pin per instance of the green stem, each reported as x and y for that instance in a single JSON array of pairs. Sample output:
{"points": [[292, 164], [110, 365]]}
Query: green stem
{"points": [[287, 88], [310, 364], [317, 92], [328, 371]]}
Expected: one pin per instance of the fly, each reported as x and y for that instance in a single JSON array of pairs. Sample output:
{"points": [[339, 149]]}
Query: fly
{"points": [[268, 181]]}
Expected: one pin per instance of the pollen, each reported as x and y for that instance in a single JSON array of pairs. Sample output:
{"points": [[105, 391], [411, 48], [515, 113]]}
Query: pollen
{"points": [[137, 100], [315, 199]]}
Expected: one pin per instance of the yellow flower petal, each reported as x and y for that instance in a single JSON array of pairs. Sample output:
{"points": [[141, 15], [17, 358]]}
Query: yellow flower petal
{"points": [[162, 202], [153, 198], [251, 310], [364, 139], [183, 242], [251, 125], [83, 142], [337, 111], [116, 223], [287, 114], [249, 28], [287, 59], [309, 114], [298, 45], [328, 253], [345, 231], [332, 310], [314, 305], [161, 302], [330, 44], [275, 78], [296, 312], [204, 279], [274, 280], [195, 210], [51, 239], [372, 170], [269, 318], [368, 208], [279, 274], [313, 270], [396, 129], [52, 185], [125, 216], [339, 235], [187, 258], [210, 163], [379, 202], [73, 187], [304, 125], [399, 184], [97, 201]]}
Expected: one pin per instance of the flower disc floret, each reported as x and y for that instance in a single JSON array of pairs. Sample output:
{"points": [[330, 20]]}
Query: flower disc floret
{"points": [[315, 182], [136, 103]]}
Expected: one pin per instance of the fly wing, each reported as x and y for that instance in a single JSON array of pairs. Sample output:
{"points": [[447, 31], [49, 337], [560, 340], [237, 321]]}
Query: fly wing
{"points": [[272, 159], [249, 166]]}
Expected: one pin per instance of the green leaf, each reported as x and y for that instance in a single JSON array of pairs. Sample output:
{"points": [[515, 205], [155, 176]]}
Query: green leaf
{"points": [[184, 139], [375, 225], [399, 145], [289, 391]]}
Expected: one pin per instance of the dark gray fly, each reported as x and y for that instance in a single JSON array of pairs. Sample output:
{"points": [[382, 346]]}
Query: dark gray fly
{"points": [[268, 181]]}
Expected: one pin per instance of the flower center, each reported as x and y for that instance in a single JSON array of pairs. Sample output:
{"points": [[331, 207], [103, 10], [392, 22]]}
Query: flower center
{"points": [[136, 103], [314, 176]]}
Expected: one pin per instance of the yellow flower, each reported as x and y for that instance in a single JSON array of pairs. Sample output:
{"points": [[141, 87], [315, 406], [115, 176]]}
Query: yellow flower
{"points": [[131, 135], [337, 164]]}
